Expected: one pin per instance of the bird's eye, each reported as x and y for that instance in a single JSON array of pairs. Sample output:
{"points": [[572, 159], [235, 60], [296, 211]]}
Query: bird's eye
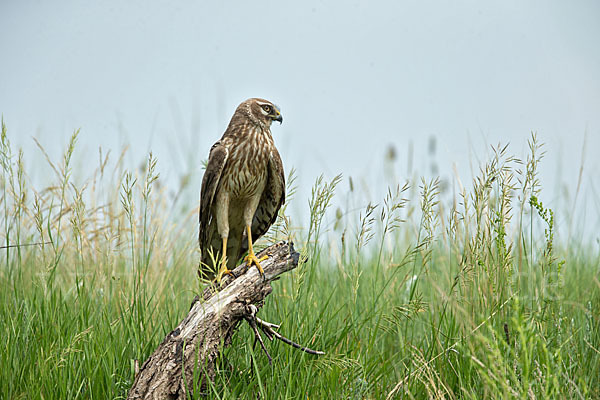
{"points": [[267, 108]]}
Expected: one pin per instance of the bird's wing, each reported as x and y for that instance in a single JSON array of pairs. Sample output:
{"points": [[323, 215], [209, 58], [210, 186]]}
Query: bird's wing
{"points": [[273, 197], [214, 169]]}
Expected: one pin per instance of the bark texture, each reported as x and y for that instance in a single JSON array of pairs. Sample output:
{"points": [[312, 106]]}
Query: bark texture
{"points": [[209, 325]]}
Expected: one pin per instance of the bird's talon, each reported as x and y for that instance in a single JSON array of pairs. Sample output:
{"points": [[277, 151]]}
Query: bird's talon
{"points": [[251, 259], [224, 271]]}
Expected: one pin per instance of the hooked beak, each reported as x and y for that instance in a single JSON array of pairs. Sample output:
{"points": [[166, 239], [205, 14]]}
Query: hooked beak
{"points": [[276, 115]]}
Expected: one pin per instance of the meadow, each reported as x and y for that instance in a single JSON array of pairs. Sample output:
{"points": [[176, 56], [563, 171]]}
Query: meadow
{"points": [[425, 294]]}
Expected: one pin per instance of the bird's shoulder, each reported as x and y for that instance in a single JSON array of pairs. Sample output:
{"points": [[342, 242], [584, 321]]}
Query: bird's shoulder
{"points": [[217, 157], [219, 148], [277, 164]]}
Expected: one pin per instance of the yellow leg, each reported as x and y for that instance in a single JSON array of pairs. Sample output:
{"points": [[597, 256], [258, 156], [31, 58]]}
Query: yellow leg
{"points": [[251, 257], [223, 269]]}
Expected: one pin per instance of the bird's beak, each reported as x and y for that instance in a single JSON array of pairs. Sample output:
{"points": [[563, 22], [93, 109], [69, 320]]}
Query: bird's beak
{"points": [[277, 115]]}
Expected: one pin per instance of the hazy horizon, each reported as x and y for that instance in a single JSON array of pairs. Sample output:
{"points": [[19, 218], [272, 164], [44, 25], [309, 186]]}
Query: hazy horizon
{"points": [[352, 80]]}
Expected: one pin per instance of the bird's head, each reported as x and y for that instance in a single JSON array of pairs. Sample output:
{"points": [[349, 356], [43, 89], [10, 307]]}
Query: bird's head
{"points": [[262, 111]]}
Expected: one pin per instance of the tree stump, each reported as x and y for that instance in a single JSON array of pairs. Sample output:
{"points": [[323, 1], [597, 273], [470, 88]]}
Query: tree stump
{"points": [[210, 325]]}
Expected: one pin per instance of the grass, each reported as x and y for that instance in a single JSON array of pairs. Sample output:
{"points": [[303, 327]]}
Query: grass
{"points": [[424, 295]]}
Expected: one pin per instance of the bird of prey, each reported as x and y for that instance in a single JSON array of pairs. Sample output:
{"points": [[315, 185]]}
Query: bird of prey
{"points": [[242, 189]]}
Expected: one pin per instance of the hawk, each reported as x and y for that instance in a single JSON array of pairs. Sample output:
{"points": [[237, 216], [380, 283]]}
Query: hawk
{"points": [[242, 189]]}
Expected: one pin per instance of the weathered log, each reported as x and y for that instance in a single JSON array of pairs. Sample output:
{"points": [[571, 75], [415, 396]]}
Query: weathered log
{"points": [[209, 327]]}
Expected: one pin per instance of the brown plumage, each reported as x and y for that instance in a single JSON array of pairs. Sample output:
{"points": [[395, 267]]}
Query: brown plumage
{"points": [[242, 189]]}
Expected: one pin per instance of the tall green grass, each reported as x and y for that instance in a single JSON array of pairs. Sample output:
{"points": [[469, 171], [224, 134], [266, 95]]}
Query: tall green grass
{"points": [[414, 297]]}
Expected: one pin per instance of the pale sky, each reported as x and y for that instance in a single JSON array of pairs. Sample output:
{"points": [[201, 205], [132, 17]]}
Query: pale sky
{"points": [[351, 78]]}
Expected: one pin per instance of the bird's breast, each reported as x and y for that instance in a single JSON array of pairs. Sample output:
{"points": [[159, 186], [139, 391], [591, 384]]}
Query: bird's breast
{"points": [[246, 173]]}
